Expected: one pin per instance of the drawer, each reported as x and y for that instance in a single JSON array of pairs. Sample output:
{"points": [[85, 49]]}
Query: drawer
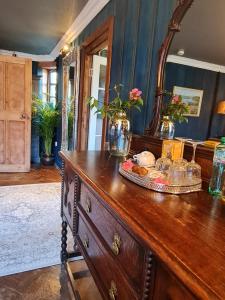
{"points": [[70, 195], [106, 273], [169, 287], [126, 251]]}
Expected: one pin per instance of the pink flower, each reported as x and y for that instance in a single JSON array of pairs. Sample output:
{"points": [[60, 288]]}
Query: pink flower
{"points": [[175, 99], [127, 165], [135, 94]]}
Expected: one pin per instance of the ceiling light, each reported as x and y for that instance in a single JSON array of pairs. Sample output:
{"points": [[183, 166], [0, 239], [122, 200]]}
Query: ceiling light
{"points": [[65, 49]]}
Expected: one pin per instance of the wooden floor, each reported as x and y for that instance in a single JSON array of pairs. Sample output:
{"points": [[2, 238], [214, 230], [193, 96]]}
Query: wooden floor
{"points": [[36, 175], [49, 284]]}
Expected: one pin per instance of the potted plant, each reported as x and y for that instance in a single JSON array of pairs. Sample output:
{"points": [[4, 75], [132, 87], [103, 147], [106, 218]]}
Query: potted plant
{"points": [[35, 140], [119, 124], [172, 112], [70, 115], [47, 119]]}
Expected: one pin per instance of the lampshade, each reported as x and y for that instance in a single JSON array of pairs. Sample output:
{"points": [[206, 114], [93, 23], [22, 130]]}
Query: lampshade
{"points": [[221, 107]]}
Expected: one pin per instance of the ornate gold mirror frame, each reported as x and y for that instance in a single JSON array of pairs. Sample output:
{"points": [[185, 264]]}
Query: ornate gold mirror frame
{"points": [[72, 57], [173, 28]]}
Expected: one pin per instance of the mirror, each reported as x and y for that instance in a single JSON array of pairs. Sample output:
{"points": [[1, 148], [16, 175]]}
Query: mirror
{"points": [[192, 64], [70, 99]]}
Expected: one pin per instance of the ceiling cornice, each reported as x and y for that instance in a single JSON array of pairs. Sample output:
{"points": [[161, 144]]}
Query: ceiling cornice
{"points": [[87, 14], [90, 10], [195, 63], [34, 57]]}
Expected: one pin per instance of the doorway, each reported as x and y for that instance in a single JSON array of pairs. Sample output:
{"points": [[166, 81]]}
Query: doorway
{"points": [[97, 91], [96, 52]]}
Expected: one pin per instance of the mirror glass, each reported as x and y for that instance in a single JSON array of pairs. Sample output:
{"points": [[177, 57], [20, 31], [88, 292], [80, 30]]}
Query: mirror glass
{"points": [[70, 98], [195, 69], [97, 90]]}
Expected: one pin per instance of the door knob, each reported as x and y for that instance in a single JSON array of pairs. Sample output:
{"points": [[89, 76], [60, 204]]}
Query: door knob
{"points": [[24, 116]]}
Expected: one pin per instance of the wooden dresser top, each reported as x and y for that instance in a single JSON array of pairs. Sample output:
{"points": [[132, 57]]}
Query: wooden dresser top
{"points": [[186, 232]]}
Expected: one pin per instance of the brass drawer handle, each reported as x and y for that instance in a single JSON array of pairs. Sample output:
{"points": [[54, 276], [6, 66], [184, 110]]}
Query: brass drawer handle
{"points": [[86, 242], [116, 244], [88, 205], [113, 291]]}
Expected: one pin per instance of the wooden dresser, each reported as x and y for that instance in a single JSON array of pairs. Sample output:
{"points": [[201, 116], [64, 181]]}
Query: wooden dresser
{"points": [[140, 244]]}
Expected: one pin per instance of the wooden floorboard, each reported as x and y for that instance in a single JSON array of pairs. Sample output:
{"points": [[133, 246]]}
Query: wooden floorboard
{"points": [[42, 284], [49, 283], [36, 175]]}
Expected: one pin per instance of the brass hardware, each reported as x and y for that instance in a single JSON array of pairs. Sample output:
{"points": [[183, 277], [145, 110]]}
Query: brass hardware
{"points": [[113, 291], [24, 116], [88, 206], [86, 242], [116, 244]]}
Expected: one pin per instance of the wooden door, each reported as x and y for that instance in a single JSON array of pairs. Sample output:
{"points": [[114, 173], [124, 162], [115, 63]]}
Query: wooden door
{"points": [[15, 114]]}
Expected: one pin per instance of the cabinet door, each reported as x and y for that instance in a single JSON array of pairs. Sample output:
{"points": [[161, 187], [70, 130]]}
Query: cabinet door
{"points": [[167, 287], [15, 114]]}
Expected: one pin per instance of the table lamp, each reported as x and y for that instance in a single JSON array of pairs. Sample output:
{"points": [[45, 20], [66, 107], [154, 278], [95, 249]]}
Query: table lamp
{"points": [[221, 108]]}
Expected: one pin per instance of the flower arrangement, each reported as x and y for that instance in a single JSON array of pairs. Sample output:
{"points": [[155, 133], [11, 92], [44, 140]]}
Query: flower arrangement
{"points": [[175, 109], [117, 105]]}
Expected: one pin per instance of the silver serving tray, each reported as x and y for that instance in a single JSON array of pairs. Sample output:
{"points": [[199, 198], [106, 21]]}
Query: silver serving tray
{"points": [[145, 181]]}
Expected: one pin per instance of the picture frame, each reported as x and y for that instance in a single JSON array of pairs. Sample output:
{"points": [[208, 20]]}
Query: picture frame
{"points": [[191, 97]]}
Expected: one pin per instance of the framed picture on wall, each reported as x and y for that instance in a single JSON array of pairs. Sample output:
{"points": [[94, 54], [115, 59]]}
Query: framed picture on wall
{"points": [[191, 97]]}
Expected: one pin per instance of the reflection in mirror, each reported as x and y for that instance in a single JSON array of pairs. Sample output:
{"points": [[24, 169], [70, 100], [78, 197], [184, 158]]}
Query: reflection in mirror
{"points": [[70, 99], [195, 69], [98, 81]]}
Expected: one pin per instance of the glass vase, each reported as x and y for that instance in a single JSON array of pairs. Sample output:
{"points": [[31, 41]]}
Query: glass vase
{"points": [[167, 128], [119, 135]]}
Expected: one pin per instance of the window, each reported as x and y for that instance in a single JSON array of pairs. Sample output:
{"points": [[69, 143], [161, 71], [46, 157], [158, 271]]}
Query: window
{"points": [[44, 85], [52, 86], [49, 85]]}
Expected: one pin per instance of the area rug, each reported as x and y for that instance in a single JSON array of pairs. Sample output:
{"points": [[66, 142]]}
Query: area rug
{"points": [[30, 227]]}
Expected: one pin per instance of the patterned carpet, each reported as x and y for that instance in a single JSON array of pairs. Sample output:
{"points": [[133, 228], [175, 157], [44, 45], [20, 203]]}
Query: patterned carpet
{"points": [[30, 226]]}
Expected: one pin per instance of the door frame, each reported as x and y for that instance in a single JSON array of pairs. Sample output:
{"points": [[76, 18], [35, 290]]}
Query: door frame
{"points": [[102, 37]]}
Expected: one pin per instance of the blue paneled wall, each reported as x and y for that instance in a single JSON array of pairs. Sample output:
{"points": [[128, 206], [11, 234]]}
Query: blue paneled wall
{"points": [[139, 29], [213, 86]]}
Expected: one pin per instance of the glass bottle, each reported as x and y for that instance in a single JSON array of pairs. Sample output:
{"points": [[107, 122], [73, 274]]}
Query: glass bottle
{"points": [[218, 174]]}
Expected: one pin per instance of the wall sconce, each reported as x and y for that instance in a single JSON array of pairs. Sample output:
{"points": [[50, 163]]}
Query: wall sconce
{"points": [[221, 108], [65, 49]]}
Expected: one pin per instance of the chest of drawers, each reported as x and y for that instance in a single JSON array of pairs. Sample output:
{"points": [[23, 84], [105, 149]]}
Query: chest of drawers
{"points": [[108, 216]]}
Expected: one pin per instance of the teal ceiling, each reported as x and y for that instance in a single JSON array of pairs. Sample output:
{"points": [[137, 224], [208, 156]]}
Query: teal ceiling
{"points": [[36, 26]]}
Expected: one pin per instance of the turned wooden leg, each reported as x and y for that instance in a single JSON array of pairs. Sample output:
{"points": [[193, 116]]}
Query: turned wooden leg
{"points": [[64, 254]]}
